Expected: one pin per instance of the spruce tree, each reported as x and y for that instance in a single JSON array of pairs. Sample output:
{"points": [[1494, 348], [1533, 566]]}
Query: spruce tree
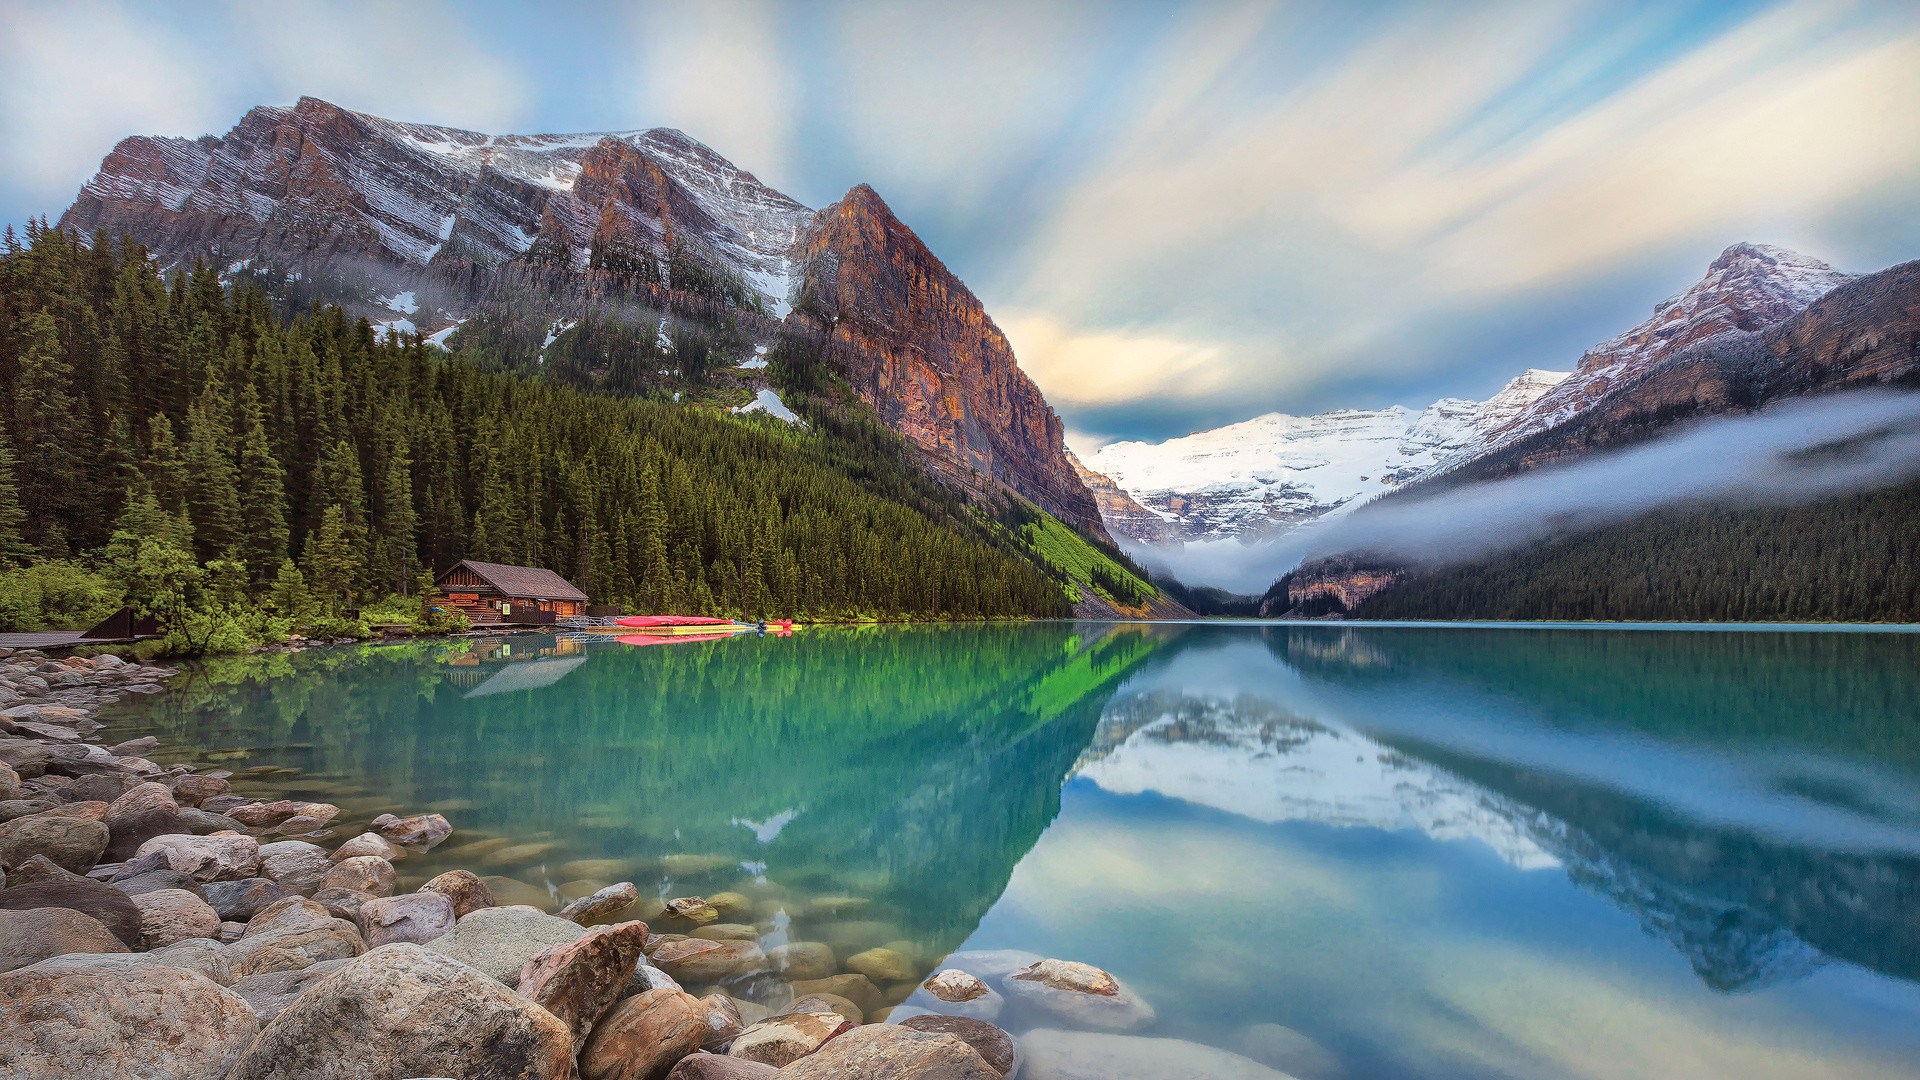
{"points": [[47, 433]]}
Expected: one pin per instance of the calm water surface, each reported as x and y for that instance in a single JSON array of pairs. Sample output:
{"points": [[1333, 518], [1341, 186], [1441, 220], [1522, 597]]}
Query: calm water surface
{"points": [[1436, 852]]}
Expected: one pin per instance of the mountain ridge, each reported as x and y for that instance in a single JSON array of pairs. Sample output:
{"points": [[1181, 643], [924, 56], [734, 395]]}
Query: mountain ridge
{"points": [[457, 220]]}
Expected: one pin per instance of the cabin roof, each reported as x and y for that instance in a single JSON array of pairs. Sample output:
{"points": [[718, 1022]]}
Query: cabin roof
{"points": [[528, 581]]}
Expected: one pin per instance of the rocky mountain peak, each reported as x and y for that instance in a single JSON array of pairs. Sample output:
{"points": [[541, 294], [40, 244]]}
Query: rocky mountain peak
{"points": [[920, 348]]}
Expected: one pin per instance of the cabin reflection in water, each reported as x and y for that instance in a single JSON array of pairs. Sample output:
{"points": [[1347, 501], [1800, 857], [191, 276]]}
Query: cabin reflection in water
{"points": [[521, 662]]}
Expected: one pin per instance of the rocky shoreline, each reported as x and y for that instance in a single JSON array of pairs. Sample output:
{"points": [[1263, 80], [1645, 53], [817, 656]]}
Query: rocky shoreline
{"points": [[157, 924]]}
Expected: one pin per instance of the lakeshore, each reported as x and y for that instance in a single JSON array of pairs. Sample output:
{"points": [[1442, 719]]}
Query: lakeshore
{"points": [[175, 920]]}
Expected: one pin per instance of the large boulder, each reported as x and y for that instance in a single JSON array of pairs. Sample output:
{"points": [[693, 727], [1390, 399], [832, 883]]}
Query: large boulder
{"points": [[1092, 1055], [993, 1045], [468, 893], [40, 868], [208, 858], [579, 981], [170, 915], [155, 1023], [362, 873], [239, 901], [415, 917], [294, 865], [1079, 994], [198, 955], [782, 1040], [28, 937], [403, 1011], [103, 903], [644, 1036], [71, 843], [500, 941], [128, 833], [891, 1052]]}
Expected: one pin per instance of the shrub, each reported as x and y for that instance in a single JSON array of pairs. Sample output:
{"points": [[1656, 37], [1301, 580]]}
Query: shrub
{"points": [[55, 595]]}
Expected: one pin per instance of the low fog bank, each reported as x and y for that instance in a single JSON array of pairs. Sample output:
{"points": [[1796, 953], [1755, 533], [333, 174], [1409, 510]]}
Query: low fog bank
{"points": [[1789, 453]]}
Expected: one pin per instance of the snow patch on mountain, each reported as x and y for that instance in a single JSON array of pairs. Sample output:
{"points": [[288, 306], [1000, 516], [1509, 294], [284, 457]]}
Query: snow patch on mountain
{"points": [[1276, 471]]}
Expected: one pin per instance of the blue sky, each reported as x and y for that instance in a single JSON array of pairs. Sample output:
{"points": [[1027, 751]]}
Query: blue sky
{"points": [[1182, 214]]}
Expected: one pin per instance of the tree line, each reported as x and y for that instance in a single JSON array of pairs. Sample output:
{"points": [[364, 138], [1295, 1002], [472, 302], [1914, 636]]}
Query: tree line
{"points": [[310, 454]]}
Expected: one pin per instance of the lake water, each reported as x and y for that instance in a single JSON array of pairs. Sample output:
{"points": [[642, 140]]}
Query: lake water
{"points": [[1434, 852]]}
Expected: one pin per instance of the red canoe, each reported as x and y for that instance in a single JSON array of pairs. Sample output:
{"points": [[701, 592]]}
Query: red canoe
{"points": [[656, 639], [642, 621]]}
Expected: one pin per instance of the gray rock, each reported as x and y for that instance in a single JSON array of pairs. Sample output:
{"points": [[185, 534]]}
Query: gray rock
{"points": [[103, 903], [159, 879], [128, 833], [366, 844], [370, 1019], [1089, 1055], [40, 868], [28, 937], [198, 955], [157, 1023], [71, 843], [295, 865], [418, 833], [415, 917], [204, 823], [268, 994], [9, 783], [500, 941], [208, 858], [343, 903], [238, 901], [292, 934]]}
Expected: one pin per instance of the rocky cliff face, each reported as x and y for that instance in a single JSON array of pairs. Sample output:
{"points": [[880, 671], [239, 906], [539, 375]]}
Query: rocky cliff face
{"points": [[1328, 588], [920, 349], [1118, 511]]}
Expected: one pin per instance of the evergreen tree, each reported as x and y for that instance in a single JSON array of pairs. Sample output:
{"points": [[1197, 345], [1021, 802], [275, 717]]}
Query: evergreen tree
{"points": [[47, 434], [13, 546], [262, 492]]}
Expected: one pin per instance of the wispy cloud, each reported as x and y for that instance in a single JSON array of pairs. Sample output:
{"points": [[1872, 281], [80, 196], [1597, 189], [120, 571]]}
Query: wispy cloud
{"points": [[1181, 213]]}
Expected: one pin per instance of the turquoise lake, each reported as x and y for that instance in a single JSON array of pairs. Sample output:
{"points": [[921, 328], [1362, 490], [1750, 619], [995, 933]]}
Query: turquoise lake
{"points": [[1436, 852]]}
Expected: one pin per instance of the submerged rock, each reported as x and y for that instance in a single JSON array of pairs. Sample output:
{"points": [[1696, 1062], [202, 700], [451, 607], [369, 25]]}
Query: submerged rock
{"points": [[803, 960], [993, 1045], [420, 832], [695, 960], [855, 988], [1080, 994], [1290, 1052], [1088, 1055]]}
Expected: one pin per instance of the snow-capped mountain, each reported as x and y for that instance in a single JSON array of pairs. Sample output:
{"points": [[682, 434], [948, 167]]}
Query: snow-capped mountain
{"points": [[1276, 471], [1748, 288]]}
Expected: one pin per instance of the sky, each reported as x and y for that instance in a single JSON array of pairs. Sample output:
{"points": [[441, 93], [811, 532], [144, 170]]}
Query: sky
{"points": [[1182, 215]]}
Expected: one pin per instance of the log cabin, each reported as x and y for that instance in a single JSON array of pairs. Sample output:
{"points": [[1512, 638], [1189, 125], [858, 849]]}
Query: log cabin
{"points": [[495, 592]]}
